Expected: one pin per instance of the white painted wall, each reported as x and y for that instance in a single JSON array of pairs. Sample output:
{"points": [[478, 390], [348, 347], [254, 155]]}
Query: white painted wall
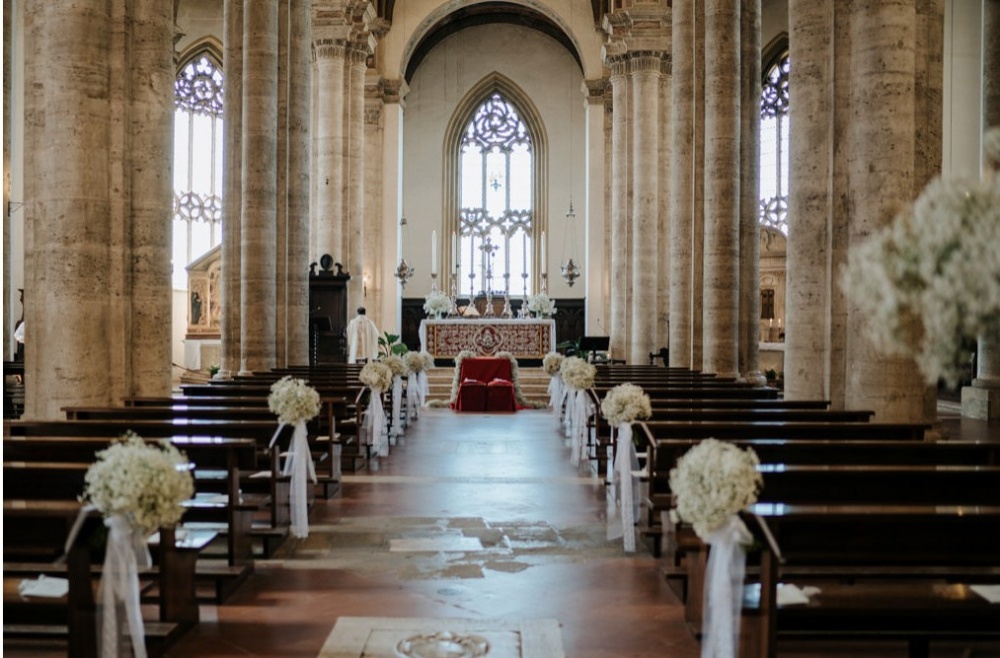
{"points": [[963, 88]]}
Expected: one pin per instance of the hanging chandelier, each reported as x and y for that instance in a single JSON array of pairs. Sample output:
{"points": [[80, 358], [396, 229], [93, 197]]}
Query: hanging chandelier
{"points": [[403, 271], [570, 270]]}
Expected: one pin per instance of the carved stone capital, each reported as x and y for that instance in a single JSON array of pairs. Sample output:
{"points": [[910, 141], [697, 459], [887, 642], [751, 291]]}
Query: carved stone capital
{"points": [[395, 91], [334, 49], [594, 90]]}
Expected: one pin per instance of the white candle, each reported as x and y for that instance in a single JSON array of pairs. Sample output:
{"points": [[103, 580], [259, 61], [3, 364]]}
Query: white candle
{"points": [[543, 260], [454, 250], [434, 252]]}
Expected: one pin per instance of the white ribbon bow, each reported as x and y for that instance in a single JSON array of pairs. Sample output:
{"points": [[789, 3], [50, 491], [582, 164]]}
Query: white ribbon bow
{"points": [[724, 589], [119, 591]]}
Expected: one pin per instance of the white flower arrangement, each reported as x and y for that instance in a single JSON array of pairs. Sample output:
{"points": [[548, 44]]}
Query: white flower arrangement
{"points": [[931, 280], [577, 373], [376, 376], [437, 303], [552, 362], [396, 364], [414, 362], [428, 359], [541, 305], [146, 483], [626, 403], [712, 482], [293, 400]]}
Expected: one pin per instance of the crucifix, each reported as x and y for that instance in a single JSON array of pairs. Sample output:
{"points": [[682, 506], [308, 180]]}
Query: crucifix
{"points": [[489, 249]]}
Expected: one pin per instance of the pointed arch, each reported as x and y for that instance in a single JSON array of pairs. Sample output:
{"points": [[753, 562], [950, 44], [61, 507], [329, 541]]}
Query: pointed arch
{"points": [[465, 110]]}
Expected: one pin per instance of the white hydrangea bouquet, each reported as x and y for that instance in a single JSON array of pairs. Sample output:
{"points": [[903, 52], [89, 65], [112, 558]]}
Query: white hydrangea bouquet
{"points": [[930, 282], [552, 362], [293, 400], [414, 362], [577, 373], [623, 405], [712, 482], [139, 488], [540, 305], [626, 403], [296, 402], [145, 483], [396, 364], [437, 304], [428, 359], [376, 376]]}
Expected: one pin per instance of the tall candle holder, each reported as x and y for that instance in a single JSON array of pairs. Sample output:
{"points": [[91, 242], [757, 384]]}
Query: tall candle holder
{"points": [[434, 283], [453, 311], [508, 312], [545, 283]]}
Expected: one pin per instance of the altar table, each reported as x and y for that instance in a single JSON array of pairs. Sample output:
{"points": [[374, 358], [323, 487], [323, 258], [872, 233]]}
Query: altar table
{"points": [[531, 338]]}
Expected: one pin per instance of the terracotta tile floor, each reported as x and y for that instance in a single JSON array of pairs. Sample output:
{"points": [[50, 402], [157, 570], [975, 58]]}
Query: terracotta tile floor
{"points": [[501, 485]]}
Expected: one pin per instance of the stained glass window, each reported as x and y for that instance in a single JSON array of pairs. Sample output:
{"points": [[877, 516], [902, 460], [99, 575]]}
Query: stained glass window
{"points": [[197, 164], [495, 201]]}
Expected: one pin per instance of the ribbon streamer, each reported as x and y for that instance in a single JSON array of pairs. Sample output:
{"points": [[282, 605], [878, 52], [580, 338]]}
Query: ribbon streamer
{"points": [[119, 592], [412, 396], [724, 589], [375, 423], [556, 393], [578, 425], [625, 488], [395, 427], [424, 387], [299, 464]]}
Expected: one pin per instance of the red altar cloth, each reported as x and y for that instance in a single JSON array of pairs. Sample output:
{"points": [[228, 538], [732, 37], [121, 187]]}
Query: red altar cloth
{"points": [[485, 385]]}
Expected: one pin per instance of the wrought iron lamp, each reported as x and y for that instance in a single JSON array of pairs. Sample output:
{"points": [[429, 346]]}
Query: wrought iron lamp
{"points": [[570, 270], [403, 271]]}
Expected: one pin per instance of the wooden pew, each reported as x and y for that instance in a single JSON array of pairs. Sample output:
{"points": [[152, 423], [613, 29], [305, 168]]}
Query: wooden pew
{"points": [[953, 546], [37, 528], [268, 481]]}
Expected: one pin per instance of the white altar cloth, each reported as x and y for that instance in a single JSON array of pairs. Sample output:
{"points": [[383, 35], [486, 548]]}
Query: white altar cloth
{"points": [[530, 338]]}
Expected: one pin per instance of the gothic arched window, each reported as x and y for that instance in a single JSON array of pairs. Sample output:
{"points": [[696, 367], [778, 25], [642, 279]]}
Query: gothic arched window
{"points": [[495, 205], [774, 146], [198, 144]]}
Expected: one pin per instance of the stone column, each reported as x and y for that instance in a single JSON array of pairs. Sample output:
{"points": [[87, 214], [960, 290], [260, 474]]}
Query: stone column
{"points": [[809, 201], [298, 184], [722, 186], [645, 106], [67, 217], [982, 399], [355, 194], [698, 194], [881, 169], [619, 209], [8, 317], [681, 182], [597, 280], [374, 106], [150, 68], [663, 209], [749, 334], [232, 184], [260, 113], [329, 141]]}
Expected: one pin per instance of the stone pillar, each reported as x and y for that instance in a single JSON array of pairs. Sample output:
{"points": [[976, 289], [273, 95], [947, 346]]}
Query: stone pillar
{"points": [[232, 184], [374, 106], [597, 281], [982, 399], [151, 73], [260, 113], [809, 202], [663, 209], [645, 110], [749, 305], [8, 317], [355, 179], [881, 168], [329, 140], [67, 261], [681, 182], [298, 185], [698, 194], [619, 209], [722, 186]]}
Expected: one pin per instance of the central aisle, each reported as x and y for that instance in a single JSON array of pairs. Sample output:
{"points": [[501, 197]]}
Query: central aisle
{"points": [[472, 516]]}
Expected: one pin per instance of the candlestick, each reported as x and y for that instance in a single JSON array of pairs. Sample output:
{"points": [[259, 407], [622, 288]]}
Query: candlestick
{"points": [[434, 253]]}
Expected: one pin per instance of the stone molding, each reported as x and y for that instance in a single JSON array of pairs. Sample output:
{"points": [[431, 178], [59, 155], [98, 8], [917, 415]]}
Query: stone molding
{"points": [[329, 49]]}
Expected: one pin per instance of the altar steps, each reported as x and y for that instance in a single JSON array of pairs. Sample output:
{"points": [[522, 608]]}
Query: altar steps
{"points": [[534, 384]]}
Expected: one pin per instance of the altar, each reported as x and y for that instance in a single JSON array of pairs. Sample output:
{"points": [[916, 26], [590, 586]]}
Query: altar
{"points": [[530, 338]]}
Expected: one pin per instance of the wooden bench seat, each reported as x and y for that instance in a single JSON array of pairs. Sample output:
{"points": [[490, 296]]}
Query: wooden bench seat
{"points": [[866, 539]]}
